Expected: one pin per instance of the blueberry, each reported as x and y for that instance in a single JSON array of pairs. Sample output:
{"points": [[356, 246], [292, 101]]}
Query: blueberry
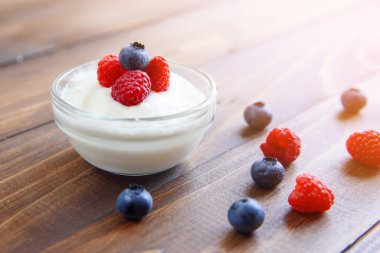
{"points": [[353, 100], [134, 57], [268, 172], [134, 202], [258, 115], [246, 215]]}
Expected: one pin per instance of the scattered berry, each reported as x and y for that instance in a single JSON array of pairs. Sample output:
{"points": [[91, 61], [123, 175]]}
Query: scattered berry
{"points": [[258, 115], [131, 88], [283, 145], [268, 172], [310, 195], [134, 202], [364, 147], [353, 100], [109, 70], [246, 215], [159, 73], [134, 57]]}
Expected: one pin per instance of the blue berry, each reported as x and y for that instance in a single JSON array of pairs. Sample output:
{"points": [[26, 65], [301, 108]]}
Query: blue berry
{"points": [[268, 172], [134, 202], [258, 115], [246, 215], [134, 57]]}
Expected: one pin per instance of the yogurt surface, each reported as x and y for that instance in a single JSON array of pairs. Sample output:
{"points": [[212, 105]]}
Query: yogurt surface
{"points": [[83, 91]]}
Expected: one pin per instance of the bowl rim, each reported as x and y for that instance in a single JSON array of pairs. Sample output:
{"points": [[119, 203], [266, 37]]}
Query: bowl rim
{"points": [[79, 112]]}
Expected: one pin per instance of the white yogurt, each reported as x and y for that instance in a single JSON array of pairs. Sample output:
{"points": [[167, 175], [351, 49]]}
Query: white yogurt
{"points": [[148, 138], [84, 92]]}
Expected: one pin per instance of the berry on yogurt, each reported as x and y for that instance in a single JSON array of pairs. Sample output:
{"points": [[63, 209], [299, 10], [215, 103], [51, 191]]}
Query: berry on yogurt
{"points": [[246, 215], [134, 202], [131, 88], [268, 172], [134, 57], [109, 70], [132, 75], [258, 115], [159, 73]]}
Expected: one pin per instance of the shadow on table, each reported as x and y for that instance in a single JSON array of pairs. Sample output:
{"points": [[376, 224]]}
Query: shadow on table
{"points": [[355, 169], [258, 193], [170, 173], [344, 115], [232, 239], [296, 220], [248, 132]]}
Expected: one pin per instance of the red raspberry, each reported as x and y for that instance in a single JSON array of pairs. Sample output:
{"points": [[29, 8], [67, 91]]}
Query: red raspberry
{"points": [[159, 73], [283, 145], [109, 70], [131, 88], [310, 195], [364, 147]]}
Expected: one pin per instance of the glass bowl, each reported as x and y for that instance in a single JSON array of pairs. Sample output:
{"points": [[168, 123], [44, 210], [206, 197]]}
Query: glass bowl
{"points": [[135, 146]]}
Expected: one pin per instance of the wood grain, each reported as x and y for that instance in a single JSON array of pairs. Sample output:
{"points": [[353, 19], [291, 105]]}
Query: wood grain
{"points": [[53, 201], [26, 33], [28, 105], [199, 205], [37, 27]]}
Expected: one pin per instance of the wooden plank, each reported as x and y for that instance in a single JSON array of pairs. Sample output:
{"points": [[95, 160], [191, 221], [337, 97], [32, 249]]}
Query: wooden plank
{"points": [[191, 216], [52, 198], [26, 32], [281, 71], [28, 105], [191, 174], [200, 216]]}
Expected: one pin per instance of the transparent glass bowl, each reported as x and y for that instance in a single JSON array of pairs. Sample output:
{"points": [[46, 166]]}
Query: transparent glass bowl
{"points": [[135, 146]]}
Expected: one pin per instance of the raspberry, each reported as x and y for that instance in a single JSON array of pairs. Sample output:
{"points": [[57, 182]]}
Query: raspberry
{"points": [[310, 195], [131, 88], [159, 73], [364, 147], [283, 145], [109, 70]]}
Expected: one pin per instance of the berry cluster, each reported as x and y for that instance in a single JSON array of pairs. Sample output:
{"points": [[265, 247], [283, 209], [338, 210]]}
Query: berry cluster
{"points": [[364, 147], [132, 75], [281, 148]]}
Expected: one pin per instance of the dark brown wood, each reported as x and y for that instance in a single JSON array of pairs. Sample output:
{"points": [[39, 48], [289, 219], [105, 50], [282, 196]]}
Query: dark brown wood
{"points": [[37, 27], [53, 201], [28, 106]]}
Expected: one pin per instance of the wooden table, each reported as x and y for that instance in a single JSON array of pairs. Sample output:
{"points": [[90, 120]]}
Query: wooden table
{"points": [[298, 56]]}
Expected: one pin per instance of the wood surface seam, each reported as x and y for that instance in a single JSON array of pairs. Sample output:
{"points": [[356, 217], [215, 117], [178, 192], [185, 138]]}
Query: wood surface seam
{"points": [[27, 130], [358, 239]]}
